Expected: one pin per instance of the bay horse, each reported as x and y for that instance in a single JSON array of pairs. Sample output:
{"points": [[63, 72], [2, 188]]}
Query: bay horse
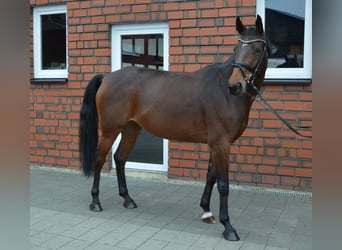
{"points": [[210, 106]]}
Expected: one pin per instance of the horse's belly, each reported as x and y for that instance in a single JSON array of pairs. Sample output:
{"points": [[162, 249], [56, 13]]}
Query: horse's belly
{"points": [[174, 128]]}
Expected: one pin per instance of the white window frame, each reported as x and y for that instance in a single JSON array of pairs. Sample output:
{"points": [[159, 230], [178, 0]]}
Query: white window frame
{"points": [[293, 73], [37, 43], [140, 29]]}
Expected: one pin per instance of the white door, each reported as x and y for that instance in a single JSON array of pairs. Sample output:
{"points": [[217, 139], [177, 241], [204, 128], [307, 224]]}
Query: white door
{"points": [[142, 45]]}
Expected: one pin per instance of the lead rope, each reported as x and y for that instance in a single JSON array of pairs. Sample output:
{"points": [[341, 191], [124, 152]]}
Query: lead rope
{"points": [[268, 106]]}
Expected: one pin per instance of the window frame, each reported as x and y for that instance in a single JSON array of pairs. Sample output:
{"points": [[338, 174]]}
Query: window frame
{"points": [[292, 75], [40, 73]]}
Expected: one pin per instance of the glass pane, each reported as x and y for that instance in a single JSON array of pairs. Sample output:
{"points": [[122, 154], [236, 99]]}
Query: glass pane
{"points": [[53, 41], [139, 46], [152, 48], [127, 46], [160, 47], [284, 26]]}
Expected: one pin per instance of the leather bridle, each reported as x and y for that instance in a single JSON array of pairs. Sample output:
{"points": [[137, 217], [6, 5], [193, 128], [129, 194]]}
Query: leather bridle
{"points": [[241, 65]]}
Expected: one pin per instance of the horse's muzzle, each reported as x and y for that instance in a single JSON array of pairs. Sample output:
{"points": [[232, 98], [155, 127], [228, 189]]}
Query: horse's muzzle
{"points": [[235, 89]]}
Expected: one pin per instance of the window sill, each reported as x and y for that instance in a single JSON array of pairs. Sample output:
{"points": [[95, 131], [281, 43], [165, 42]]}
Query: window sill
{"points": [[48, 80], [287, 81]]}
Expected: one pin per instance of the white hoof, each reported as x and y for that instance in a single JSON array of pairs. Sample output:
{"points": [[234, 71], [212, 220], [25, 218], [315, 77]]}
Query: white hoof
{"points": [[208, 217]]}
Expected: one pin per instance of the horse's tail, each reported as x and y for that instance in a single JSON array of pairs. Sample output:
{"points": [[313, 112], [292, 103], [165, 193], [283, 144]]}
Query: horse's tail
{"points": [[88, 132]]}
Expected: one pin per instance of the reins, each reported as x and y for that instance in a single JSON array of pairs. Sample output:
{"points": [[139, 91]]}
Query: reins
{"points": [[269, 108], [250, 80]]}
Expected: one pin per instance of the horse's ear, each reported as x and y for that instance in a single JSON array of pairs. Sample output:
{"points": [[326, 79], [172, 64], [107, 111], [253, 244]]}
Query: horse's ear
{"points": [[259, 26], [239, 25]]}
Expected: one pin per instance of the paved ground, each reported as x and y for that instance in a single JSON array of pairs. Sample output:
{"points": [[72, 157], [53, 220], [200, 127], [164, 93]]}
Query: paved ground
{"points": [[167, 217]]}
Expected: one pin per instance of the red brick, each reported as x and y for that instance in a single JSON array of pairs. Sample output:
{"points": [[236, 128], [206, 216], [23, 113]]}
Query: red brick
{"points": [[289, 181], [79, 13], [266, 169], [270, 161], [272, 124], [175, 171], [187, 5], [285, 170], [248, 2], [271, 179], [171, 6], [305, 154], [188, 23], [208, 31], [188, 41], [244, 177], [173, 162], [289, 163], [225, 12], [190, 156], [139, 8], [303, 172], [209, 13], [187, 163], [249, 168], [291, 144], [175, 15], [191, 32]]}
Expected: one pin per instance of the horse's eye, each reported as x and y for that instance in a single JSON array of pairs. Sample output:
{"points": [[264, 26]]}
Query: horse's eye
{"points": [[257, 50]]}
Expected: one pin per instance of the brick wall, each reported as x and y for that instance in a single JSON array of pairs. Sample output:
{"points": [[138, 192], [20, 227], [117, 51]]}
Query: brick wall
{"points": [[200, 33]]}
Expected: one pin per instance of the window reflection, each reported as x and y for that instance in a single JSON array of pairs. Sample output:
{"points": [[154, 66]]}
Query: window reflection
{"points": [[284, 26], [53, 41]]}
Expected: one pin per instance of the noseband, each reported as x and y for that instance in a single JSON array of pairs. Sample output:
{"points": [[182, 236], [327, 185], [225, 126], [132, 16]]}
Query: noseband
{"points": [[250, 79]]}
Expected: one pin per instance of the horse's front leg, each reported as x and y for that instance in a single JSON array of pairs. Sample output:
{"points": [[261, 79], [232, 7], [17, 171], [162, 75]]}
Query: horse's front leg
{"points": [[208, 216], [220, 156]]}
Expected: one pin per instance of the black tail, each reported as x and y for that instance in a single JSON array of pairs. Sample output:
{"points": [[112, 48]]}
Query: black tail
{"points": [[88, 133]]}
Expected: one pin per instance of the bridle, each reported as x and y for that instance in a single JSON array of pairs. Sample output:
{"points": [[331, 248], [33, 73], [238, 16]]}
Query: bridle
{"points": [[239, 64], [250, 81]]}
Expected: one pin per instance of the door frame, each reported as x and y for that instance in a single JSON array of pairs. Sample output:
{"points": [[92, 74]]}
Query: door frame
{"points": [[140, 29]]}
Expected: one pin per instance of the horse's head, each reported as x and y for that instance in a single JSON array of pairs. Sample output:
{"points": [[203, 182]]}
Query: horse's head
{"points": [[250, 57]]}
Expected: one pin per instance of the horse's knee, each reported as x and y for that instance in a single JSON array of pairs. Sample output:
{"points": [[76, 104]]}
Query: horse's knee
{"points": [[223, 187]]}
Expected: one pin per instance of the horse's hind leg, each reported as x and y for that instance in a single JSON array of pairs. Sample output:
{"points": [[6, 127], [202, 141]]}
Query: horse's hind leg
{"points": [[129, 136], [102, 151], [208, 216]]}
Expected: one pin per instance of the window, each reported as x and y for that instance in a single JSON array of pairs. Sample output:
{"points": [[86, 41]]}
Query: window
{"points": [[142, 45], [288, 26], [49, 42]]}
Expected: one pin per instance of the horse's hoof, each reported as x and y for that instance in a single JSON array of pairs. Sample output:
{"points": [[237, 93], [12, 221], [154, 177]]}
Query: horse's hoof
{"points": [[130, 204], [95, 207], [231, 236], [208, 218]]}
